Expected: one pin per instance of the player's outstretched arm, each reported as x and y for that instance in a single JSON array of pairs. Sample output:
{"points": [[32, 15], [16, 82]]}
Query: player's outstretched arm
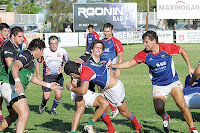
{"points": [[82, 90], [52, 85], [187, 60], [125, 65]]}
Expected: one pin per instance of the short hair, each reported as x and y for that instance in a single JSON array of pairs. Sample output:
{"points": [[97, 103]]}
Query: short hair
{"points": [[36, 43], [71, 67], [90, 26], [53, 38], [15, 30], [4, 25], [151, 35], [108, 25], [95, 42]]}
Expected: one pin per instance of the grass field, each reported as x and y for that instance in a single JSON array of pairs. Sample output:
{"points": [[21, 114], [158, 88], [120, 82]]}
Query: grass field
{"points": [[138, 95]]}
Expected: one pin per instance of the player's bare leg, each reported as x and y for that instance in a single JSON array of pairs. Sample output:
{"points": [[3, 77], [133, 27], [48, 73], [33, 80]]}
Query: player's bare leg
{"points": [[178, 96], [80, 108], [22, 109]]}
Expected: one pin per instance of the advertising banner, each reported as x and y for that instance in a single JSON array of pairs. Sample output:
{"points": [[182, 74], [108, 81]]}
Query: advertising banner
{"points": [[178, 9], [165, 36], [188, 36], [122, 15], [30, 36], [65, 39]]}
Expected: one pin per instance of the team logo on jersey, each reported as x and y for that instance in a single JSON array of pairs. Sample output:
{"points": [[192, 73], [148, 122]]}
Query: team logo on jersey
{"points": [[163, 56], [7, 52], [150, 59]]}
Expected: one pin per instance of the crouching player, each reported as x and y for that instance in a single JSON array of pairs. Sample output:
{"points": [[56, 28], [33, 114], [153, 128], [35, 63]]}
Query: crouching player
{"points": [[112, 89], [192, 93]]}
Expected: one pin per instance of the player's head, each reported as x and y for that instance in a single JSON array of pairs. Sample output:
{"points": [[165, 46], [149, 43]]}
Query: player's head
{"points": [[53, 42], [37, 46], [150, 40], [17, 35], [72, 69], [97, 47], [151, 35], [108, 30], [90, 28], [4, 30]]}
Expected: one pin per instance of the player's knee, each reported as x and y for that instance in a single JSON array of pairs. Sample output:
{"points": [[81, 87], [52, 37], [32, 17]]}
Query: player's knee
{"points": [[159, 109], [104, 103], [80, 108]]}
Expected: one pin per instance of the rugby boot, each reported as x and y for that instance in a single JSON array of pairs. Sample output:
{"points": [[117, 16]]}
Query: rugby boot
{"points": [[53, 112], [166, 126], [114, 113], [41, 109], [89, 128]]}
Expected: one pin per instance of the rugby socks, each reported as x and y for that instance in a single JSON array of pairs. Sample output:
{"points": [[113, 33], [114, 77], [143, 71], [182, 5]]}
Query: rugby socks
{"points": [[55, 103], [192, 128], [44, 102], [91, 122], [166, 117], [1, 118], [133, 119], [73, 132], [106, 119], [112, 108]]}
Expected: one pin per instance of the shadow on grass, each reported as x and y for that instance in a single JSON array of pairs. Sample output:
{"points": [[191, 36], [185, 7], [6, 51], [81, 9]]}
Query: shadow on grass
{"points": [[34, 108], [179, 115], [87, 110], [56, 125]]}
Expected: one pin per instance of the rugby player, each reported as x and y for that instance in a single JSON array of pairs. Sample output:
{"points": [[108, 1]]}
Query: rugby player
{"points": [[158, 57]]}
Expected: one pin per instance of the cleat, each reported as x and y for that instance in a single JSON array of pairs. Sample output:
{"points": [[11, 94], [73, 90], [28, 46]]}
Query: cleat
{"points": [[166, 126], [53, 112], [114, 113], [194, 131], [41, 109], [89, 128]]}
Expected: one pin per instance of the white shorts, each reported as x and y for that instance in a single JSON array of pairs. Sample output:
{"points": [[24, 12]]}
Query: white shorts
{"points": [[89, 97], [7, 91], [116, 95], [165, 90], [193, 100]]}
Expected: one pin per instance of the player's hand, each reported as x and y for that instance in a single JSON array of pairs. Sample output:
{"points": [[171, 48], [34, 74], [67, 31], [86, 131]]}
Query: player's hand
{"points": [[191, 71], [68, 86], [55, 86], [109, 62], [18, 87], [74, 82]]}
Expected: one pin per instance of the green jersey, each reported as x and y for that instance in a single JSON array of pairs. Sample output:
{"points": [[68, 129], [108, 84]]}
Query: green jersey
{"points": [[26, 72], [7, 50]]}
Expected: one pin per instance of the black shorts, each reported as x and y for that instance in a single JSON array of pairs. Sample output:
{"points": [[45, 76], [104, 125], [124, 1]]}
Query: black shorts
{"points": [[53, 78]]}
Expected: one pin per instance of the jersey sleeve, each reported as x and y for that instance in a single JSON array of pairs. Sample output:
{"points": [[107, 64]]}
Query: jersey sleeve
{"points": [[170, 48], [118, 46], [24, 57], [96, 36], [140, 57], [87, 74], [9, 52], [65, 56]]}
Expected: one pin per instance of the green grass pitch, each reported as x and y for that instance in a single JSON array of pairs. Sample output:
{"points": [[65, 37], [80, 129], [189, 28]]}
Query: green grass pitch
{"points": [[138, 95]]}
